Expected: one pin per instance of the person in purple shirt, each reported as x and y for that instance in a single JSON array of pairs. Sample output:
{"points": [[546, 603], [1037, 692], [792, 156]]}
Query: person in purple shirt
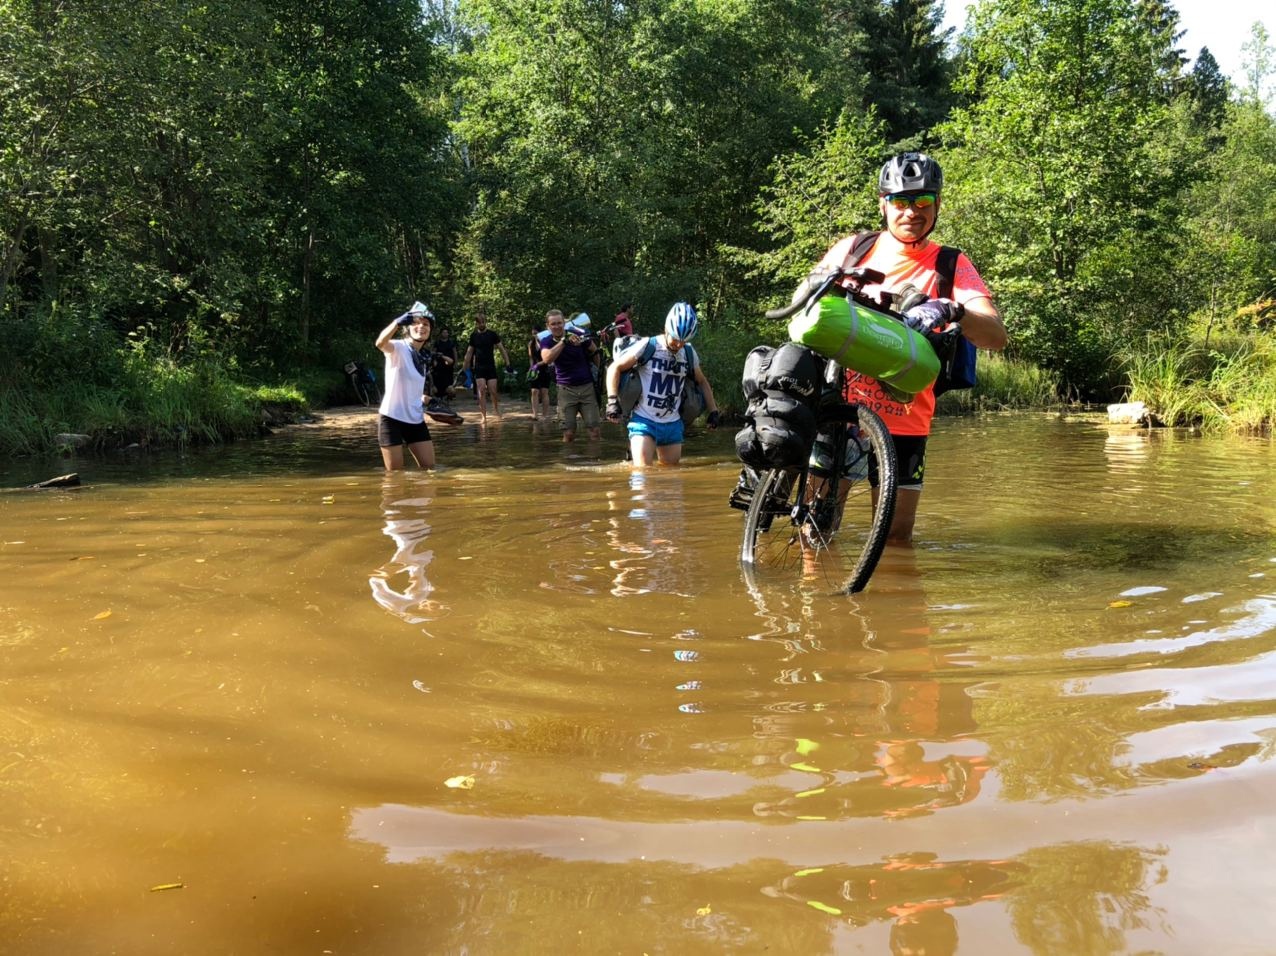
{"points": [[572, 356]]}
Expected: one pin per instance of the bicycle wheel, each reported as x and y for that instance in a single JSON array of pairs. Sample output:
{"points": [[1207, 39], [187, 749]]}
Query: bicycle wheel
{"points": [[861, 516], [824, 527]]}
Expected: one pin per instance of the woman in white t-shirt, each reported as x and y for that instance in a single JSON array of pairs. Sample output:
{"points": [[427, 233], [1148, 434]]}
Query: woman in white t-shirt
{"points": [[402, 419]]}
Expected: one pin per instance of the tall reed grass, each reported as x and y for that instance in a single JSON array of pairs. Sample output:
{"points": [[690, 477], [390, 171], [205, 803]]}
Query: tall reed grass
{"points": [[1002, 383], [1228, 387]]}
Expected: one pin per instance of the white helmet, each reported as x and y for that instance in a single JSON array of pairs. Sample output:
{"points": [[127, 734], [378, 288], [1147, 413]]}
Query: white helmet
{"points": [[681, 323]]}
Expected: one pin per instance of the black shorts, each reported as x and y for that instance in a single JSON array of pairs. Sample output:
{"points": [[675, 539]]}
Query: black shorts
{"points": [[483, 373], [391, 432], [910, 462], [544, 378]]}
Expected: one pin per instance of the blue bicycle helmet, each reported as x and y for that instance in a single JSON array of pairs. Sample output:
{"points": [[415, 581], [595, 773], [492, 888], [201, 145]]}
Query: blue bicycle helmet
{"points": [[681, 323]]}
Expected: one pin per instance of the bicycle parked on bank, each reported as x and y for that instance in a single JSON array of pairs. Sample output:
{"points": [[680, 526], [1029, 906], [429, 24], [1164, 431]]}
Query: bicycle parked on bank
{"points": [[812, 508], [363, 382]]}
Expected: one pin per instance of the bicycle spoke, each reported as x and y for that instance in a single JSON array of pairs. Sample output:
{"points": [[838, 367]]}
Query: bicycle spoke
{"points": [[837, 531]]}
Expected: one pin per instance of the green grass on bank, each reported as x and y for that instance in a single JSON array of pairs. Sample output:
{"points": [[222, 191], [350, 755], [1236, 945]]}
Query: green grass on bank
{"points": [[1002, 383], [1228, 386], [153, 403]]}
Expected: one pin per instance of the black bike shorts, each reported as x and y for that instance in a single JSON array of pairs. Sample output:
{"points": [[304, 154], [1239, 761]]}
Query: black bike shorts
{"points": [[391, 432], [910, 462]]}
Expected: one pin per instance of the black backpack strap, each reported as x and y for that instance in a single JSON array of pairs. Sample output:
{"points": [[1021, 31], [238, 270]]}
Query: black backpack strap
{"points": [[945, 264], [946, 270], [860, 247]]}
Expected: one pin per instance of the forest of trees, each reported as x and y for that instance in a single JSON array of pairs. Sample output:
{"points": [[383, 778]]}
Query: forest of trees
{"points": [[221, 196]]}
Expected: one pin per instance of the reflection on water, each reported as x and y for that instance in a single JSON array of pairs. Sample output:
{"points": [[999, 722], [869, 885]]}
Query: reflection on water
{"points": [[648, 532], [1048, 728], [401, 585]]}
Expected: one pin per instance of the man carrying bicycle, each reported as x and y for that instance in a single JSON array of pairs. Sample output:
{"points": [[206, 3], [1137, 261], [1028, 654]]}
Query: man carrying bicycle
{"points": [[909, 187]]}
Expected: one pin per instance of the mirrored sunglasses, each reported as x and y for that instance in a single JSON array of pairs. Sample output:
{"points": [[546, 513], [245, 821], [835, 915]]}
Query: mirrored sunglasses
{"points": [[902, 201]]}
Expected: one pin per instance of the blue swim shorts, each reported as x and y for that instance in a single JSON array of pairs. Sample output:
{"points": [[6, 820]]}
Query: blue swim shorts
{"points": [[664, 433]]}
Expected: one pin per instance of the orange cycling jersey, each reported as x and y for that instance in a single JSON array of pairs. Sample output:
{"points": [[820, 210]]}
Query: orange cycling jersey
{"points": [[902, 266]]}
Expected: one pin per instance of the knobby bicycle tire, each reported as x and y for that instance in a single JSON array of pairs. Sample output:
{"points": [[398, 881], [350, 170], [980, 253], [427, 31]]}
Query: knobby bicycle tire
{"points": [[785, 537]]}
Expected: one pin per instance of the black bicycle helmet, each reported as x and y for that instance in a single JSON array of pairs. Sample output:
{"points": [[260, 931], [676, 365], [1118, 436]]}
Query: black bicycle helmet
{"points": [[910, 172]]}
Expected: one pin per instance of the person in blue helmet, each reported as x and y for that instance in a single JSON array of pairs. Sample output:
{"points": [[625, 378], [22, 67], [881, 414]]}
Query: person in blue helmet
{"points": [[655, 426]]}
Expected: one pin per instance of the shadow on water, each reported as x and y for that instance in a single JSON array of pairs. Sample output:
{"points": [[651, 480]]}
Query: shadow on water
{"points": [[1064, 546]]}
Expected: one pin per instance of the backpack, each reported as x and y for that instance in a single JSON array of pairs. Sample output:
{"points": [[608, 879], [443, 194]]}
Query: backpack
{"points": [[691, 404], [956, 370], [782, 387]]}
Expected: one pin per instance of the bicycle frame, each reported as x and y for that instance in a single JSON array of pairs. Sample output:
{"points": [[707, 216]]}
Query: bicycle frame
{"points": [[811, 504]]}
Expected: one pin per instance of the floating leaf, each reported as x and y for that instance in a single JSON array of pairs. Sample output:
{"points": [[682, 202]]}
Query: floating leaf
{"points": [[459, 783], [167, 886], [85, 557], [805, 746], [806, 767], [1121, 604], [704, 910], [824, 907], [102, 615]]}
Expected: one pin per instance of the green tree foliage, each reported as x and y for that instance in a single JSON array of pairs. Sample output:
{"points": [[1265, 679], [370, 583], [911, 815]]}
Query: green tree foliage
{"points": [[257, 173], [1207, 88], [1063, 170], [1260, 67], [818, 193], [909, 73], [616, 147], [1229, 228]]}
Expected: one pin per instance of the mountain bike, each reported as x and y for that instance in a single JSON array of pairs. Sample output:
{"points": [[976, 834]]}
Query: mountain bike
{"points": [[824, 519], [364, 383]]}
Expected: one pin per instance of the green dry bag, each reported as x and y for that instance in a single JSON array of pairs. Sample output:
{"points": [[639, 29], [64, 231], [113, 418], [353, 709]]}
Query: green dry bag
{"points": [[868, 342]]}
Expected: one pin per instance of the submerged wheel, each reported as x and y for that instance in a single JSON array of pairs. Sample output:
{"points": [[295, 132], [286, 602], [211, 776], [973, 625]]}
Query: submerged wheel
{"points": [[795, 530]]}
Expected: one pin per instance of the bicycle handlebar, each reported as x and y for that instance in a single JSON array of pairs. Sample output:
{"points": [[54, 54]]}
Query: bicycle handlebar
{"points": [[859, 276]]}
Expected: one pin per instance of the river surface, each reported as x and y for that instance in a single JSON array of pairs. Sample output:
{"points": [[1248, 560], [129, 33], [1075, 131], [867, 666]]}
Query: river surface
{"points": [[264, 699]]}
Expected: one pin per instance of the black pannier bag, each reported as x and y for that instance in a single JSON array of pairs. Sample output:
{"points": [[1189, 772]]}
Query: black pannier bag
{"points": [[782, 386]]}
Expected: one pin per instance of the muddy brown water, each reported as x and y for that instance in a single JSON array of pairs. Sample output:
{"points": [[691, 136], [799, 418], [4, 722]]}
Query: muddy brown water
{"points": [[264, 699]]}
